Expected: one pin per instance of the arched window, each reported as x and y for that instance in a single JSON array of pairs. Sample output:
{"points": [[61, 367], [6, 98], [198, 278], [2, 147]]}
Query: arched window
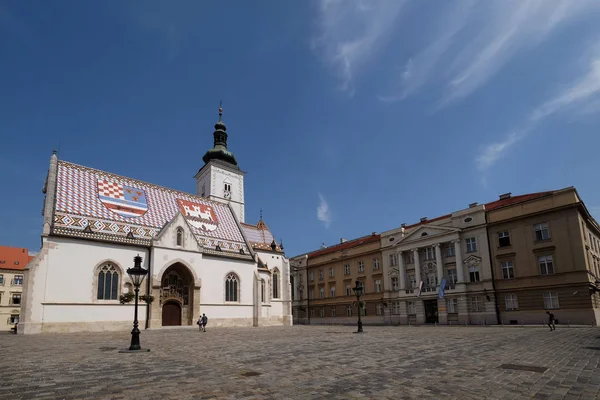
{"points": [[231, 288], [108, 282], [262, 290], [179, 237], [276, 284]]}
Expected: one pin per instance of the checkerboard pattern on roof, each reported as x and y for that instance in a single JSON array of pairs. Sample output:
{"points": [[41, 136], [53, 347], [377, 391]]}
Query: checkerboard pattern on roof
{"points": [[258, 238], [77, 193]]}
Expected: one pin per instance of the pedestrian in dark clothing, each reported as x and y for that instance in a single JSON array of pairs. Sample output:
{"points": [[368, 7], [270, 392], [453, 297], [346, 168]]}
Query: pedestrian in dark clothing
{"points": [[551, 320], [203, 323]]}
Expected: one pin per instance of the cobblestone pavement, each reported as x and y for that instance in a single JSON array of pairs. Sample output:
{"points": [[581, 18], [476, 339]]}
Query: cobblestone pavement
{"points": [[305, 362]]}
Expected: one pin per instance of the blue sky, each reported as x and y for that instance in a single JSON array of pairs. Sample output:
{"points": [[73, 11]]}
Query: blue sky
{"points": [[348, 116]]}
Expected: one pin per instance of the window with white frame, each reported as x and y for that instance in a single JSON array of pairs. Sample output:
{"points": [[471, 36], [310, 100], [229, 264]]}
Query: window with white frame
{"points": [[348, 290], [361, 266], [331, 272], [14, 319], [321, 293], [363, 310], [412, 280], [376, 263], [311, 276], [232, 288], [227, 187], [510, 302], [547, 265], [450, 250], [393, 260], [322, 312], [311, 293], [396, 307], [379, 309], [452, 306], [1, 279], [476, 304], [346, 269], [541, 231], [321, 274], [15, 298], [395, 285], [275, 283], [333, 311], [410, 257], [550, 300], [508, 271], [108, 282], [18, 280], [377, 286], [332, 291], [503, 239], [474, 274], [452, 277], [432, 280], [428, 253], [411, 307], [471, 244], [262, 291], [348, 311]]}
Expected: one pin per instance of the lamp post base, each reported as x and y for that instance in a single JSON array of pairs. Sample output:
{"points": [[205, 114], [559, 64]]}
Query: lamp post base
{"points": [[134, 351]]}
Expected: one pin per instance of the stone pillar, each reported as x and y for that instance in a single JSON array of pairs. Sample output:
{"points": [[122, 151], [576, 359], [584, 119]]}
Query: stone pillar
{"points": [[439, 262], [417, 268], [460, 273], [401, 271]]}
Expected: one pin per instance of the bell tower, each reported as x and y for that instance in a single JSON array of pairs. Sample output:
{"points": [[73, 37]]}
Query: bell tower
{"points": [[220, 179]]}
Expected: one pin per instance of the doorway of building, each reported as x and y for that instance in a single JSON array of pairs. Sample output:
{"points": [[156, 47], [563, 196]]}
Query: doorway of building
{"points": [[171, 314], [431, 311]]}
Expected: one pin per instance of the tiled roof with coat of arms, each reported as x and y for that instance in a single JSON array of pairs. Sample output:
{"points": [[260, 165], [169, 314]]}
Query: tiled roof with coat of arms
{"points": [[97, 204]]}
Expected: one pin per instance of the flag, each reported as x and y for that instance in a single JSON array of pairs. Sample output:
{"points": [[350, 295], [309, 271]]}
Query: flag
{"points": [[420, 289], [442, 288]]}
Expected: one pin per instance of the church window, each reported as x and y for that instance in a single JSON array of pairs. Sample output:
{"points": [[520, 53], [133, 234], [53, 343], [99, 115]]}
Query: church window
{"points": [[232, 288], [228, 187], [276, 284], [179, 237], [262, 290], [108, 283]]}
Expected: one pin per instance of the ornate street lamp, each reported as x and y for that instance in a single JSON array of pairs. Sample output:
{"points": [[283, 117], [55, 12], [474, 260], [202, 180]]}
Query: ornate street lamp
{"points": [[137, 275], [358, 291]]}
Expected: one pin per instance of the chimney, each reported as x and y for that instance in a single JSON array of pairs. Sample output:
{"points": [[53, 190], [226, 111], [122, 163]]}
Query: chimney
{"points": [[403, 225], [473, 205], [505, 196], [342, 240], [373, 233], [423, 219]]}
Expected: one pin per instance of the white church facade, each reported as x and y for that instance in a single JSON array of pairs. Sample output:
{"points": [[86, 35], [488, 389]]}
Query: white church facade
{"points": [[200, 254]]}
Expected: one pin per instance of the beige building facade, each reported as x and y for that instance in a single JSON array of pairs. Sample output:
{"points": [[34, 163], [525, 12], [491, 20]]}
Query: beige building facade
{"points": [[13, 261], [545, 250], [324, 279], [451, 250]]}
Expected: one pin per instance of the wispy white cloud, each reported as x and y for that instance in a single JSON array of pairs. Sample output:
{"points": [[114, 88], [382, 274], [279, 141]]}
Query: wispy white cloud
{"points": [[350, 32], [509, 28], [581, 94], [323, 213], [419, 68]]}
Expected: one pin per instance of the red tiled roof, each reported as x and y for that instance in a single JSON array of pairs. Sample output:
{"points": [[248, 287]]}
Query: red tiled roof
{"points": [[14, 258], [259, 236], [515, 199], [346, 245]]}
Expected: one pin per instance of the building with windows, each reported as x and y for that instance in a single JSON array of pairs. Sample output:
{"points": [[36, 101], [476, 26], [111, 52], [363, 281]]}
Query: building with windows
{"points": [[449, 251], [545, 251], [13, 261], [326, 277], [201, 255]]}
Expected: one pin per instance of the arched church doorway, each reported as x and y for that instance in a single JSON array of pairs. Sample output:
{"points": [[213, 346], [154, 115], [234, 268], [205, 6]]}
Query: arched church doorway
{"points": [[171, 314], [176, 296]]}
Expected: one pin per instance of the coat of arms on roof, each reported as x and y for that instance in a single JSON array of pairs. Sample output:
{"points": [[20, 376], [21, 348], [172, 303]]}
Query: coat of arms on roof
{"points": [[199, 215], [127, 201]]}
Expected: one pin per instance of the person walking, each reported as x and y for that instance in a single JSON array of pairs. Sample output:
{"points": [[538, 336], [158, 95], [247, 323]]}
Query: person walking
{"points": [[199, 323], [551, 320], [204, 322]]}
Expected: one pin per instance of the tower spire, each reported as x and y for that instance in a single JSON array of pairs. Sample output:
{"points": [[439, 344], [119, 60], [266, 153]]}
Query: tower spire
{"points": [[219, 150], [221, 111]]}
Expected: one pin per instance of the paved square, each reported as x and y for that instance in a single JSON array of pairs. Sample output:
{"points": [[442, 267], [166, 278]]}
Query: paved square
{"points": [[305, 362]]}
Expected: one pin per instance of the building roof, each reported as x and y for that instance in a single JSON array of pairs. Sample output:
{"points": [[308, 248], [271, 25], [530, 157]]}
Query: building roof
{"points": [[15, 258], [259, 236], [346, 245], [112, 206], [515, 199]]}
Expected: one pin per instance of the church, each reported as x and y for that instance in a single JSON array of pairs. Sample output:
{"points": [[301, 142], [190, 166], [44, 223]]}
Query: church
{"points": [[201, 255]]}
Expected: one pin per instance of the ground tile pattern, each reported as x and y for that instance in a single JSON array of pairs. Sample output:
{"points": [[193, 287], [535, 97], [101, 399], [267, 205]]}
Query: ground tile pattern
{"points": [[305, 362]]}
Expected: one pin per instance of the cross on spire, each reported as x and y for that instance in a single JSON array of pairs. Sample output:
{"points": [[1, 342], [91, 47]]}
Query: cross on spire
{"points": [[261, 214]]}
